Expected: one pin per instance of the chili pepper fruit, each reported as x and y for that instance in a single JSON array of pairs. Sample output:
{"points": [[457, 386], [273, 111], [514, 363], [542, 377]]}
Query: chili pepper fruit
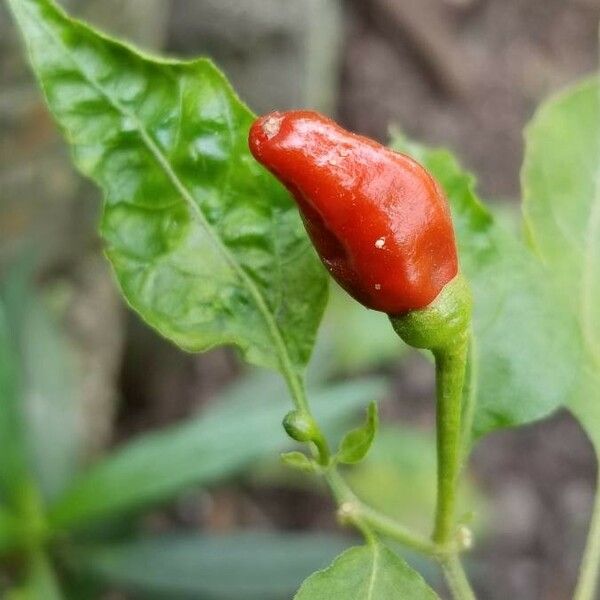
{"points": [[378, 219]]}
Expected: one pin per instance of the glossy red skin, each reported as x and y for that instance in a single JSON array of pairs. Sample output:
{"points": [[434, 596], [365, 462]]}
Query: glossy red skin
{"points": [[378, 220]]}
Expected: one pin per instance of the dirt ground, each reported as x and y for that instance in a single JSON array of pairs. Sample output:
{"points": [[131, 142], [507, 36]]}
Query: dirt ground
{"points": [[466, 74]]}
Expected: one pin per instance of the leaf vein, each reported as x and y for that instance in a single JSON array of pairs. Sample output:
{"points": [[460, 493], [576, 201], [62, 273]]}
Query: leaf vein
{"points": [[260, 302]]}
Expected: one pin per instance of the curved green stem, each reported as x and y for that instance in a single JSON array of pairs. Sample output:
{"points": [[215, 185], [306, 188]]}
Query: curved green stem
{"points": [[469, 399], [456, 578], [355, 510], [298, 394], [322, 447], [589, 571], [450, 375]]}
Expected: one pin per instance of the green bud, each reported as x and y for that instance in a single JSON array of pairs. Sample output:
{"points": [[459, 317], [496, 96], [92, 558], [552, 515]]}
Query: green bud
{"points": [[440, 324], [301, 427]]}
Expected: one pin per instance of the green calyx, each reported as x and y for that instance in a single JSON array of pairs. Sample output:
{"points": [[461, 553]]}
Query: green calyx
{"points": [[439, 325]]}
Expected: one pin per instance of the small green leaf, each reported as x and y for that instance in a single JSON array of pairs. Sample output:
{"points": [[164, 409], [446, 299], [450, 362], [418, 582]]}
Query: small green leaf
{"points": [[525, 354], [251, 565], [299, 461], [561, 187], [207, 247], [356, 443], [242, 426], [370, 572]]}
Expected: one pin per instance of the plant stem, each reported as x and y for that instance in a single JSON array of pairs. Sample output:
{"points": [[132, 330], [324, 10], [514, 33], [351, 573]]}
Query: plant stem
{"points": [[456, 578], [450, 375], [322, 447], [390, 528], [298, 393], [352, 508], [469, 399], [590, 564]]}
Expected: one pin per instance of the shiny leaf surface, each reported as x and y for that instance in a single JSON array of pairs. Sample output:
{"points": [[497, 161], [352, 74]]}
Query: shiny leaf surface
{"points": [[206, 246]]}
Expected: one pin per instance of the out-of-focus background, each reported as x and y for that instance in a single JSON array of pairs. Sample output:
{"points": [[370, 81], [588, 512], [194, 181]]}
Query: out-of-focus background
{"points": [[466, 74]]}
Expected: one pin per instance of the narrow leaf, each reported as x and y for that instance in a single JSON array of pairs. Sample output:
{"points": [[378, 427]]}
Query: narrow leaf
{"points": [[206, 246], [9, 529], [13, 457], [41, 581], [249, 565], [44, 412], [366, 573], [244, 425], [52, 401]]}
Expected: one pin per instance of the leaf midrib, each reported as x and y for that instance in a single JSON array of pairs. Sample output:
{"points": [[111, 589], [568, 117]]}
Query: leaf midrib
{"points": [[286, 363], [374, 567], [590, 267]]}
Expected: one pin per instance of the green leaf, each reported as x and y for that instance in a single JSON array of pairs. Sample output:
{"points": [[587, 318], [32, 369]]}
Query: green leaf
{"points": [[299, 461], [366, 573], [53, 401], [13, 457], [9, 530], [41, 581], [561, 187], [249, 565], [525, 355], [398, 478], [242, 426], [205, 244], [45, 408], [356, 443]]}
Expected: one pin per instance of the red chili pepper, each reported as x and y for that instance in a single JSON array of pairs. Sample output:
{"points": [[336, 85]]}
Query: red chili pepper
{"points": [[378, 220]]}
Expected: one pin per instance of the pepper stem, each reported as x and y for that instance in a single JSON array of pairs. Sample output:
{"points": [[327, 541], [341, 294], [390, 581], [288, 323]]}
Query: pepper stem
{"points": [[450, 376], [444, 328]]}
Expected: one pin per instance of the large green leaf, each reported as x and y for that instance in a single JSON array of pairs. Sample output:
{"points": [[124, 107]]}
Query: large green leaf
{"points": [[370, 572], [249, 565], [525, 354], [206, 245], [561, 186], [244, 425]]}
